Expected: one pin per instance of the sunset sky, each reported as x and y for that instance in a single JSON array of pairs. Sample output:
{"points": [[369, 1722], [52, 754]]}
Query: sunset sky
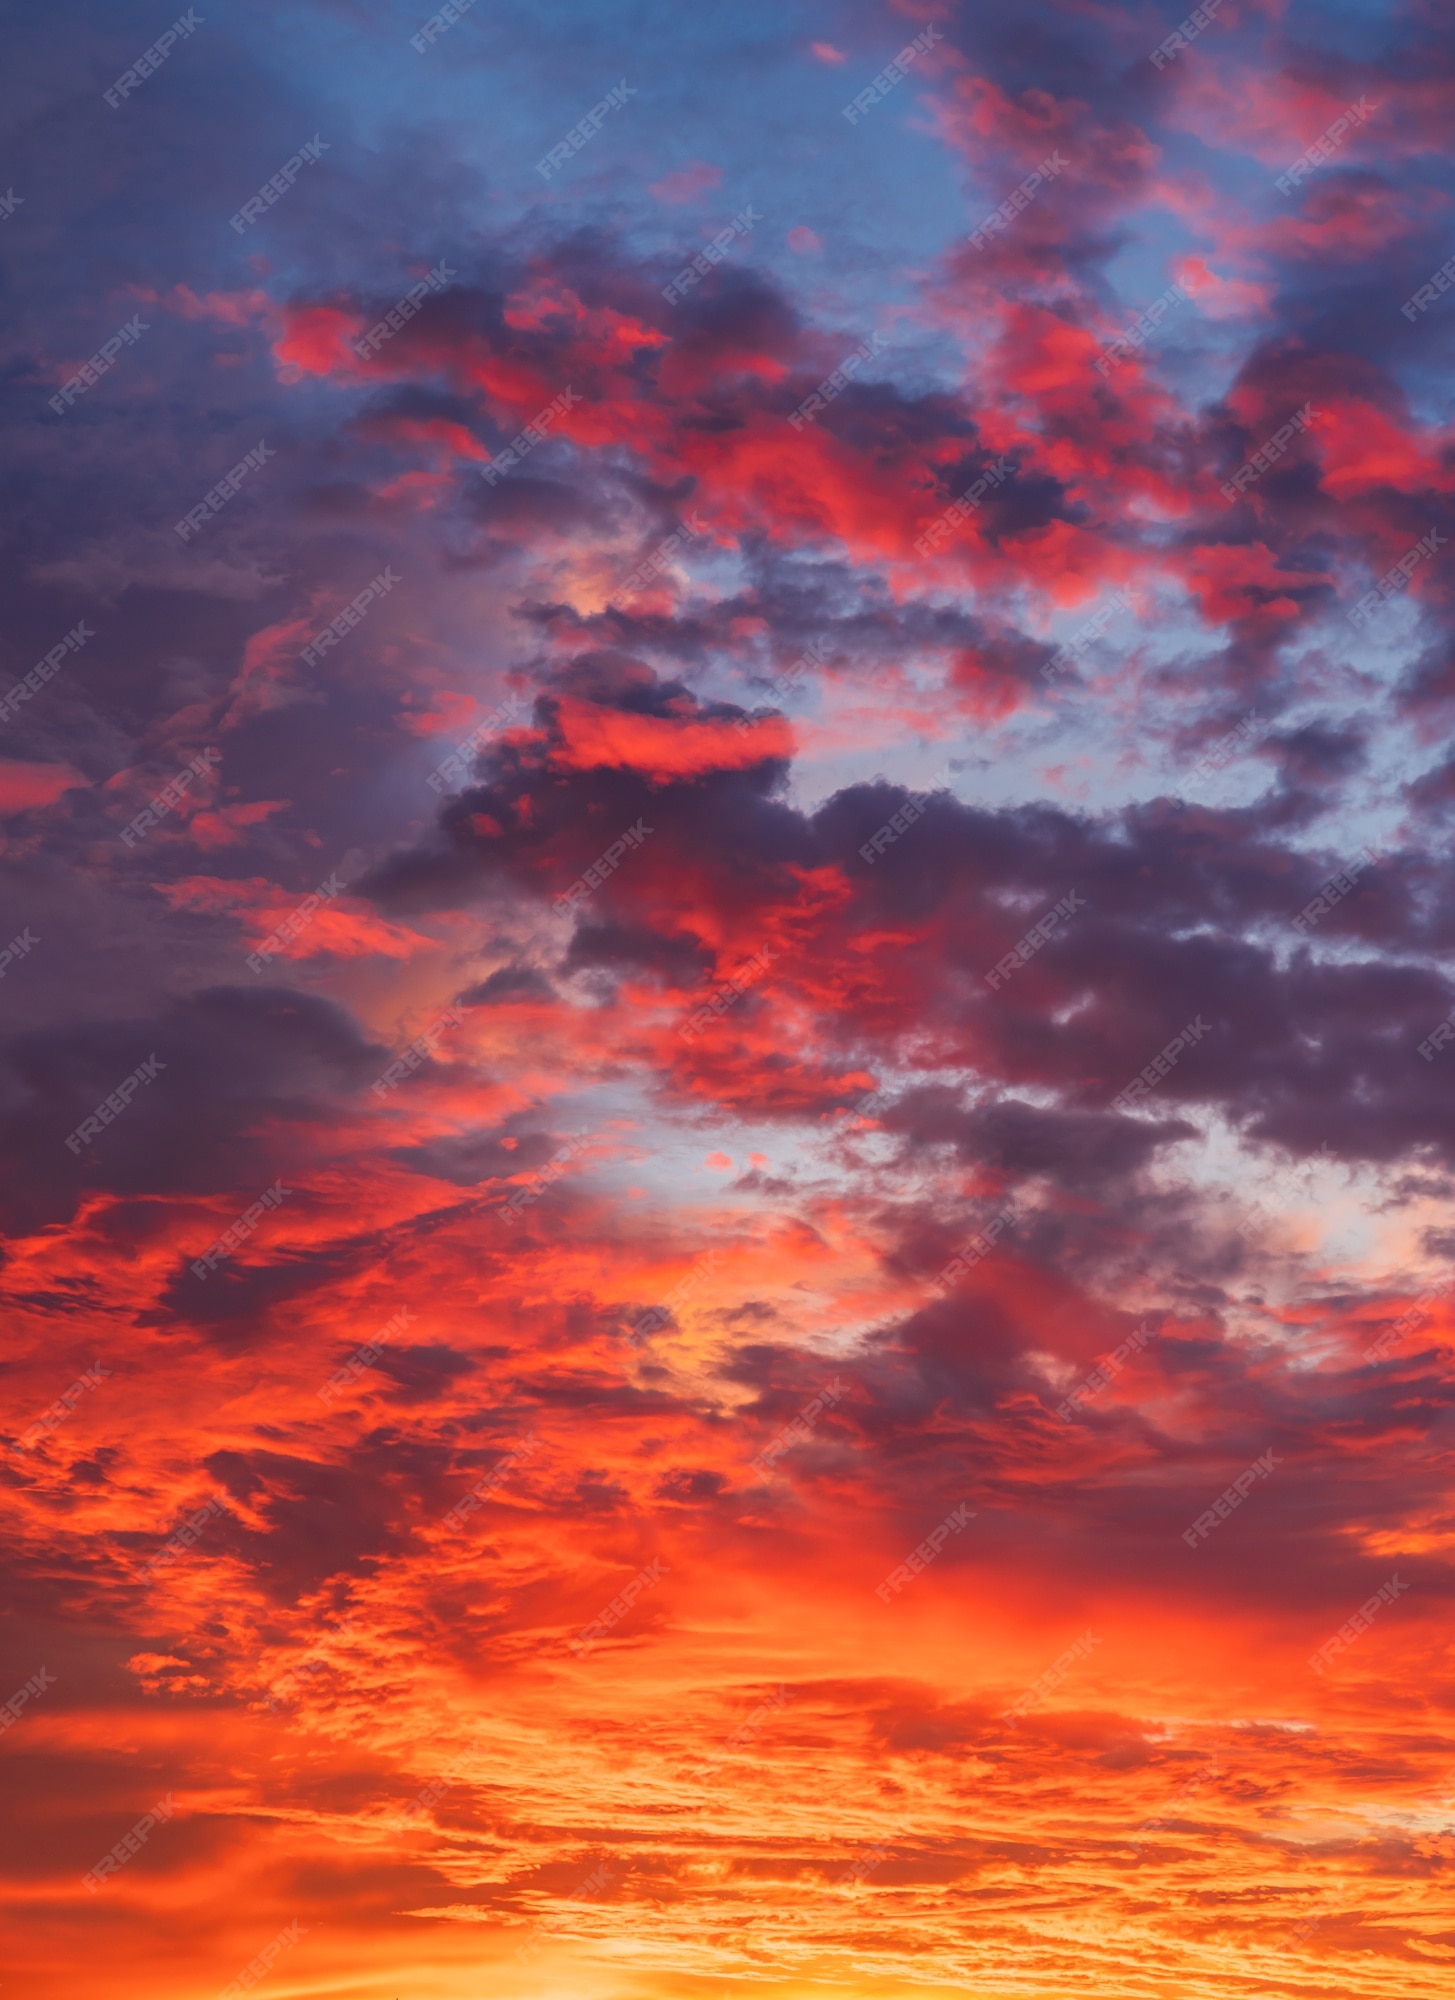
{"points": [[727, 1000]]}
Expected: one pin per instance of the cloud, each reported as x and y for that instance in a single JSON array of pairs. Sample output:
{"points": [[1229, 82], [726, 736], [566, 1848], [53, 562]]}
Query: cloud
{"points": [[685, 184], [24, 787]]}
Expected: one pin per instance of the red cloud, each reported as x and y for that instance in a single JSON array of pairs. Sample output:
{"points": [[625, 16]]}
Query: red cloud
{"points": [[25, 786], [662, 748]]}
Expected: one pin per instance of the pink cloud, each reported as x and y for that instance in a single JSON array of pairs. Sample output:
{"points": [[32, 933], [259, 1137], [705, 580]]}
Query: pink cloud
{"points": [[225, 826], [686, 183], [343, 928], [1220, 298], [25, 785]]}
